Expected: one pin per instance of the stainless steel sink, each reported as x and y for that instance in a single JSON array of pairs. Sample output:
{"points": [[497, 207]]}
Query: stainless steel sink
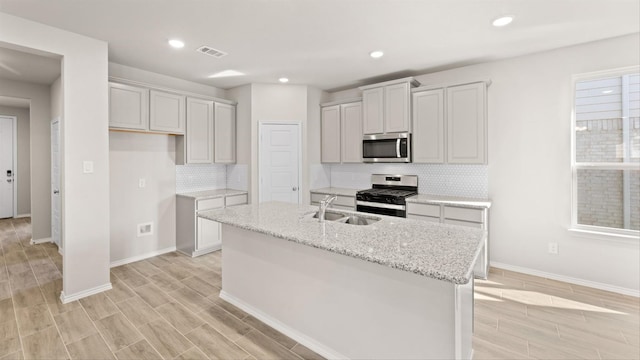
{"points": [[344, 218], [359, 220], [330, 215]]}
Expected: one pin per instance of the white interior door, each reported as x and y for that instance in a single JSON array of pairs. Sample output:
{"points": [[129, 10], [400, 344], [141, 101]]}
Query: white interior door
{"points": [[55, 182], [7, 167], [279, 162]]}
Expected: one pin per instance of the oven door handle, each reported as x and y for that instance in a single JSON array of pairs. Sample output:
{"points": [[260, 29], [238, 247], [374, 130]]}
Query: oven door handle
{"points": [[398, 148], [381, 205]]}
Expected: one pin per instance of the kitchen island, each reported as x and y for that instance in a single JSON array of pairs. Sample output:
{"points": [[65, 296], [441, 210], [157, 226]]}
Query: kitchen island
{"points": [[396, 288]]}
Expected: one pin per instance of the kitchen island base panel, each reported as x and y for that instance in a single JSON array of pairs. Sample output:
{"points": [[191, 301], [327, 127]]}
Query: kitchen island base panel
{"points": [[342, 307]]}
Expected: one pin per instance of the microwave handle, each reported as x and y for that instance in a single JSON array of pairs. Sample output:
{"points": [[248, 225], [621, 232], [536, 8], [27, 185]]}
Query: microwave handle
{"points": [[398, 148]]}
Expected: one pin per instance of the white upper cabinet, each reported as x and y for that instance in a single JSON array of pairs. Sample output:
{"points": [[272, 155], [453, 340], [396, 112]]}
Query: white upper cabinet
{"points": [[225, 133], [167, 112], [128, 107], [373, 111], [428, 126], [387, 106], [466, 124], [199, 134], [397, 105], [351, 115], [341, 139], [330, 134]]}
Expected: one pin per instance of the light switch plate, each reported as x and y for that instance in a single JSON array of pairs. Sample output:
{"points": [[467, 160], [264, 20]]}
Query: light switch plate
{"points": [[142, 183], [87, 167]]}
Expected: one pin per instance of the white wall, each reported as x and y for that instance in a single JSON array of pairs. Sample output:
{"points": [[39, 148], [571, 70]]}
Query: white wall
{"points": [[319, 174], [529, 162], [151, 157], [23, 172], [239, 175], [84, 137], [279, 103], [40, 151]]}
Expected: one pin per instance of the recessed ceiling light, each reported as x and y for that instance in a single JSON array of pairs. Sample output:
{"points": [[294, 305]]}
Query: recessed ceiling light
{"points": [[283, 80], [502, 21], [376, 54], [226, 73], [178, 44]]}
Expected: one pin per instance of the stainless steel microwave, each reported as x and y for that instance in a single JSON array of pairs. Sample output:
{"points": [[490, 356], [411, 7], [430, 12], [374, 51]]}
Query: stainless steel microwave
{"points": [[386, 148]]}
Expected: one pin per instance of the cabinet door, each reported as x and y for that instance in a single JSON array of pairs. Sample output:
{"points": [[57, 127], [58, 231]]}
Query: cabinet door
{"points": [[466, 124], [351, 115], [225, 133], [199, 135], [330, 139], [396, 108], [167, 112], [128, 107], [208, 234], [373, 111], [428, 126]]}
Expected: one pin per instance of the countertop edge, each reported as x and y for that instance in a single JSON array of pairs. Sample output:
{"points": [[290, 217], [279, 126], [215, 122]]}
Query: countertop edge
{"points": [[215, 193]]}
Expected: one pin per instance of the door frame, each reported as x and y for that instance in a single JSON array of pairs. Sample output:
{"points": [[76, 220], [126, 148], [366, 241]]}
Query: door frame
{"points": [[14, 129], [60, 247], [261, 125]]}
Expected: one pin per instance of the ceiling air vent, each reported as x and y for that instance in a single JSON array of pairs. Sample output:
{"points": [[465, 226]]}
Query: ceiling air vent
{"points": [[211, 51]]}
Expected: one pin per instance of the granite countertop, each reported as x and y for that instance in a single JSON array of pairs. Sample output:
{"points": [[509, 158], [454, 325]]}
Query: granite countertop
{"points": [[208, 194], [439, 251], [336, 191], [449, 200]]}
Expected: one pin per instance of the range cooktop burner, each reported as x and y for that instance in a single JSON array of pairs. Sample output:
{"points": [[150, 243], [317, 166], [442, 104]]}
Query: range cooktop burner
{"points": [[389, 192]]}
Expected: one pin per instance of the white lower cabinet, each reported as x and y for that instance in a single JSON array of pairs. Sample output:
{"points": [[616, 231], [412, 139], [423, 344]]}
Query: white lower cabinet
{"points": [[209, 236], [456, 215], [195, 235]]}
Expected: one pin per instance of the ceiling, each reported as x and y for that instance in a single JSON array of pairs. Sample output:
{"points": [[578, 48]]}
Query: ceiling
{"points": [[23, 66], [326, 43]]}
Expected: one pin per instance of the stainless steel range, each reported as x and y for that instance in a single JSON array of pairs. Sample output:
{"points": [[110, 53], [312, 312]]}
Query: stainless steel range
{"points": [[387, 195]]}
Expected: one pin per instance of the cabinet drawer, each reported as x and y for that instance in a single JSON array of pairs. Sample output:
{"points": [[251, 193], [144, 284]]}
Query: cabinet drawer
{"points": [[345, 201], [236, 200], [463, 223], [316, 198], [341, 200], [464, 214], [424, 218], [424, 209], [210, 204]]}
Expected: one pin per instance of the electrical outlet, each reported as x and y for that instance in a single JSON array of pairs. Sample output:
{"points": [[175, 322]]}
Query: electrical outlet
{"points": [[145, 229], [87, 167], [553, 248], [142, 183]]}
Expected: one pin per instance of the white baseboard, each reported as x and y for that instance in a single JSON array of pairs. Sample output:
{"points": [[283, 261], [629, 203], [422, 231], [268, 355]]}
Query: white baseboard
{"points": [[41, 241], [83, 294], [568, 279], [143, 256], [312, 344], [19, 216]]}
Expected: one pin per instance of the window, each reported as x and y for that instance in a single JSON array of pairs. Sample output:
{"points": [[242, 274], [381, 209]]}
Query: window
{"points": [[606, 152]]}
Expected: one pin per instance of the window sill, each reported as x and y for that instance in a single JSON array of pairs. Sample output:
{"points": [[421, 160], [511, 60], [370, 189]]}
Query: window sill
{"points": [[607, 236]]}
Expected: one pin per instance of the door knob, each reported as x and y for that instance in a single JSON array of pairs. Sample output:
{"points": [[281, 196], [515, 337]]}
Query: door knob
{"points": [[56, 192], [295, 188], [8, 180]]}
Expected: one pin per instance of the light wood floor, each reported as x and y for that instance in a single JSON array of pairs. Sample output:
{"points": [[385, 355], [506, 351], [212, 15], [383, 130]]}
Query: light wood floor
{"points": [[168, 307]]}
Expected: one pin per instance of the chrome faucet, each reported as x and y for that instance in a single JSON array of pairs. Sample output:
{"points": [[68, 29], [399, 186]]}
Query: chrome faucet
{"points": [[324, 203]]}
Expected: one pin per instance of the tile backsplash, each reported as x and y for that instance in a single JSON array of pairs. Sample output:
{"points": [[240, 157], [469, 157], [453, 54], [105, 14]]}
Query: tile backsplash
{"points": [[200, 177], [436, 179]]}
